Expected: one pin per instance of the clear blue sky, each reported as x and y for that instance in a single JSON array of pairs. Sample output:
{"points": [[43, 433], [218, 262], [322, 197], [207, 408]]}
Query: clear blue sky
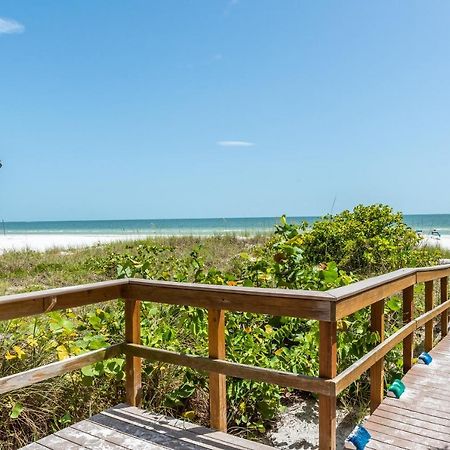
{"points": [[143, 109]]}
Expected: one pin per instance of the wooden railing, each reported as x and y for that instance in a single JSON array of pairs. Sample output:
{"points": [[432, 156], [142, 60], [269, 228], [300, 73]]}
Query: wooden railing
{"points": [[326, 307]]}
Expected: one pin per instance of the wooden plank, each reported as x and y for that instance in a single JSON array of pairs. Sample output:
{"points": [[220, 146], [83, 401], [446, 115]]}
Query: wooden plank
{"points": [[119, 421], [377, 369], [410, 432], [420, 408], [232, 369], [32, 376], [206, 433], [426, 419], [217, 382], [371, 291], [86, 440], [399, 437], [133, 365], [425, 274], [34, 446], [444, 298], [428, 307], [279, 302], [23, 305], [201, 437], [115, 436], [408, 316], [57, 443], [327, 369]]}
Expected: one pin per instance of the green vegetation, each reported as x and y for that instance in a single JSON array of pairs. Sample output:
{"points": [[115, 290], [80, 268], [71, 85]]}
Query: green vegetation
{"points": [[333, 252]]}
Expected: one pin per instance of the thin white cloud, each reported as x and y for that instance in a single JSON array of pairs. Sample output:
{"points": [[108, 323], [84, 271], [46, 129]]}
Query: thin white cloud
{"points": [[10, 26], [235, 144]]}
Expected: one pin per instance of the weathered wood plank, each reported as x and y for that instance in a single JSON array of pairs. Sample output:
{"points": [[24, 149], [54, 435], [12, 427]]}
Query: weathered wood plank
{"points": [[444, 298], [195, 429], [31, 303], [232, 369], [284, 302], [408, 316], [115, 436], [58, 443], [32, 376], [217, 382], [377, 369], [133, 365], [352, 298], [327, 369], [428, 307]]}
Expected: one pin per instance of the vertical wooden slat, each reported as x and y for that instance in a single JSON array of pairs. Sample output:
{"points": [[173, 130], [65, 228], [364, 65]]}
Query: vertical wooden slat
{"points": [[428, 307], [133, 365], [327, 369], [217, 382], [444, 315], [408, 315], [377, 370]]}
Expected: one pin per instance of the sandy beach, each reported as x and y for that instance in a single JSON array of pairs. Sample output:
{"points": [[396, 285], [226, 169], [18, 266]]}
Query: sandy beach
{"points": [[43, 242]]}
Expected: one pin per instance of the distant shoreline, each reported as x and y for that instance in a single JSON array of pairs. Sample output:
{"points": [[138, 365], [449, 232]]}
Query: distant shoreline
{"points": [[44, 242]]}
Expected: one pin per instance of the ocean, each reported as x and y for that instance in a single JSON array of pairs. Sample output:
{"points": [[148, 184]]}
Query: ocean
{"points": [[202, 227]]}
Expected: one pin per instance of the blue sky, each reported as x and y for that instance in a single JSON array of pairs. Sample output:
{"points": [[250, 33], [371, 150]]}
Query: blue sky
{"points": [[219, 108]]}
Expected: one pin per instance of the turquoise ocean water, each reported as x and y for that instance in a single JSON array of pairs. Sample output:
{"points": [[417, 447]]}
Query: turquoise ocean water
{"points": [[167, 227]]}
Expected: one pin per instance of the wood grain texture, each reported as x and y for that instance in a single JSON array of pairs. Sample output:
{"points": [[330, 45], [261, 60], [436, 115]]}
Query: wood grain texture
{"points": [[133, 365], [23, 305], [217, 381], [125, 427], [32, 376], [232, 369], [284, 302], [377, 370], [420, 418], [327, 369], [408, 315], [372, 292], [428, 307], [444, 298]]}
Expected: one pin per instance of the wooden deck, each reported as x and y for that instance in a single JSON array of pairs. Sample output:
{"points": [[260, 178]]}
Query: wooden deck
{"points": [[126, 427], [420, 418]]}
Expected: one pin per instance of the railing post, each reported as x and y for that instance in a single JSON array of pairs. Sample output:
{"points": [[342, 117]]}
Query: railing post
{"points": [[408, 315], [444, 315], [133, 365], [429, 307], [377, 370], [217, 382], [327, 369]]}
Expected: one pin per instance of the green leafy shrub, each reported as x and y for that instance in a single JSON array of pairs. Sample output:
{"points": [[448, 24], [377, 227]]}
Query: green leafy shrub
{"points": [[369, 239]]}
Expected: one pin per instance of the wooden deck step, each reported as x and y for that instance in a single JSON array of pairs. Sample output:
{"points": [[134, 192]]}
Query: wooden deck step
{"points": [[420, 418], [126, 427]]}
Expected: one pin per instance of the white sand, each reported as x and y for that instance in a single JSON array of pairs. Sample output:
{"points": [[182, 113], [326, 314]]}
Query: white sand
{"points": [[42, 242], [443, 242]]}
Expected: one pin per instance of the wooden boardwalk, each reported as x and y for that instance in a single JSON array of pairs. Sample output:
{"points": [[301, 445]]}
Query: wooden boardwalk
{"points": [[127, 427], [420, 418]]}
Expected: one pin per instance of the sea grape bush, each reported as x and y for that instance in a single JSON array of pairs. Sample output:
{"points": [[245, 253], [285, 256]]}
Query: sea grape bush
{"points": [[369, 239]]}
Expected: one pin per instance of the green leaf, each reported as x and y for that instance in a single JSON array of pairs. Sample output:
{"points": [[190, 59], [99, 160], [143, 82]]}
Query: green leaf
{"points": [[16, 410]]}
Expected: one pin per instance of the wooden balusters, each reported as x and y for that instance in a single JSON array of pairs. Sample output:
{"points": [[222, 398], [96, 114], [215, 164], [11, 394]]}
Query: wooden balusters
{"points": [[133, 365], [217, 382], [428, 307], [444, 315], [327, 369], [408, 315], [377, 370]]}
